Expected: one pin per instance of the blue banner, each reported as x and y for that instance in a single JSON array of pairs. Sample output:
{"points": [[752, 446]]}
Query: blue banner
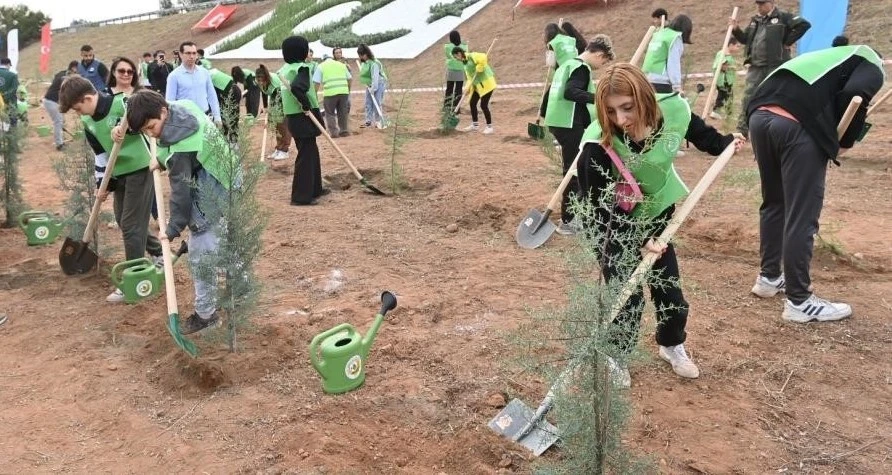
{"points": [[827, 18]]}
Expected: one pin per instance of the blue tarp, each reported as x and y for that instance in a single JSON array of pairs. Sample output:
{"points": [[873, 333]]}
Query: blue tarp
{"points": [[827, 18]]}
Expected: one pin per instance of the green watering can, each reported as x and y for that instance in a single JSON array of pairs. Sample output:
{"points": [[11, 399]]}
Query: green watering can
{"points": [[40, 227], [140, 278], [339, 354]]}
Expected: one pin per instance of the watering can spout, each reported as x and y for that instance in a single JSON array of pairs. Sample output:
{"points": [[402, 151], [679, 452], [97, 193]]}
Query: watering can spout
{"points": [[388, 303]]}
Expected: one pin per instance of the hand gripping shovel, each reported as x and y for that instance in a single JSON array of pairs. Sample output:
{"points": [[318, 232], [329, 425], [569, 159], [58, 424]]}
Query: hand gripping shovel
{"points": [[170, 288], [535, 229], [528, 427], [76, 257], [356, 173]]}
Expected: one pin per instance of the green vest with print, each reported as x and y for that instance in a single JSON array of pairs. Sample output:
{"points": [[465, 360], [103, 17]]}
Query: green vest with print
{"points": [[134, 154], [365, 72], [220, 79], [453, 64], [334, 78], [560, 112], [564, 48], [211, 157], [654, 170], [471, 69], [658, 50], [289, 103], [814, 65]]}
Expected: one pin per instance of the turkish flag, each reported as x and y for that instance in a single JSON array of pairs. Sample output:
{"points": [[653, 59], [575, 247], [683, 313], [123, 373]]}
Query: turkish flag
{"points": [[46, 39], [216, 17]]}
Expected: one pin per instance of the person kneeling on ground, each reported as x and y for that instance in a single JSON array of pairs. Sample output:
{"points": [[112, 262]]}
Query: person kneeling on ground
{"points": [[641, 131], [192, 149], [482, 81]]}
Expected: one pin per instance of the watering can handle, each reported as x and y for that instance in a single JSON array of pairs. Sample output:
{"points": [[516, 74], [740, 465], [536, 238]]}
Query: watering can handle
{"points": [[317, 340], [120, 267], [25, 216]]}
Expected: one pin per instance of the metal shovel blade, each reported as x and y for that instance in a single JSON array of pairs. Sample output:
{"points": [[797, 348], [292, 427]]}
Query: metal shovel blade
{"points": [[528, 236], [535, 131], [185, 344], [512, 420], [452, 121], [76, 257]]}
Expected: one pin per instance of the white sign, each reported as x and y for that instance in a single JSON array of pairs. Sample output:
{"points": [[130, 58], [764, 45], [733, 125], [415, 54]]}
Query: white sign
{"points": [[12, 41]]}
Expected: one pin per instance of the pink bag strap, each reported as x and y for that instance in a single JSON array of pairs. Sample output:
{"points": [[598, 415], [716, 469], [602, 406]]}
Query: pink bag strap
{"points": [[626, 174]]}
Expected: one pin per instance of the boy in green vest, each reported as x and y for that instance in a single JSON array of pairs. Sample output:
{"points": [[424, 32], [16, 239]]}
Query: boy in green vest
{"points": [[727, 77], [131, 181], [793, 117], [373, 77], [569, 107], [662, 63], [193, 151]]}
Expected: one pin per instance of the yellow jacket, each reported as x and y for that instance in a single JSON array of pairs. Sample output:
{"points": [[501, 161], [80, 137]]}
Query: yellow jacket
{"points": [[485, 80]]}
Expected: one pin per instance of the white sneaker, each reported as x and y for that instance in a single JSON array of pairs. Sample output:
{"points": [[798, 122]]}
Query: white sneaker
{"points": [[678, 358], [715, 115], [280, 155], [815, 308], [680, 153], [619, 373], [272, 155], [115, 297], [472, 128], [567, 229], [767, 288], [489, 130]]}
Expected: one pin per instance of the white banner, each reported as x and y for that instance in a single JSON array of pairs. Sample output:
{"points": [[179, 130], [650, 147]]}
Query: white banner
{"points": [[12, 41]]}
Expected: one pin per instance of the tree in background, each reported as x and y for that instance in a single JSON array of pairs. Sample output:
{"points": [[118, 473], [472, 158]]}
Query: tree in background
{"points": [[26, 20], [11, 139]]}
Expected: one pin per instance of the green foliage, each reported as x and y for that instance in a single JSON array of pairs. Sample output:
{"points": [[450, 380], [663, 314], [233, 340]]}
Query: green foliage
{"points": [[397, 139], [454, 8], [26, 20], [10, 160], [286, 15], [339, 33], [283, 29], [75, 170], [241, 224], [345, 38]]}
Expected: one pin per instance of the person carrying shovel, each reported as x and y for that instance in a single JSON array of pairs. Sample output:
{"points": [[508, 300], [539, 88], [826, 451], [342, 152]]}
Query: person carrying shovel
{"points": [[131, 179], [632, 143], [373, 77], [192, 150], [568, 108], [481, 84]]}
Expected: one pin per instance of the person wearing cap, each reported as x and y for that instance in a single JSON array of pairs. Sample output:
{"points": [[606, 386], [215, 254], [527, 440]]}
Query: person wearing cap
{"points": [[334, 78], [767, 41]]}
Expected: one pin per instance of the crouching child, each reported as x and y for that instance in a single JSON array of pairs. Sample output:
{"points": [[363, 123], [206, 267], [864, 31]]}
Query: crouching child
{"points": [[194, 152]]}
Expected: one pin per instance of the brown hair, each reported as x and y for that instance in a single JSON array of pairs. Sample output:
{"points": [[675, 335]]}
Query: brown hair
{"points": [[624, 79], [73, 90], [143, 106], [134, 78]]}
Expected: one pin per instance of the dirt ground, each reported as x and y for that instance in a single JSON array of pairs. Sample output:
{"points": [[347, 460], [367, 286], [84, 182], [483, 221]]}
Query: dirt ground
{"points": [[92, 387]]}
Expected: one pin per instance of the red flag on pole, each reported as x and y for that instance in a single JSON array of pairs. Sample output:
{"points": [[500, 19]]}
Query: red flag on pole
{"points": [[46, 40]]}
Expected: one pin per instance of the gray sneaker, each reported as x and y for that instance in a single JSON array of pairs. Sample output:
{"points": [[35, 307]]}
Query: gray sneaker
{"points": [[567, 229], [815, 308]]}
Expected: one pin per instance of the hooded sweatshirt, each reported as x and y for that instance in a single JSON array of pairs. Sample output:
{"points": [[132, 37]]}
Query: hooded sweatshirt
{"points": [[183, 168]]}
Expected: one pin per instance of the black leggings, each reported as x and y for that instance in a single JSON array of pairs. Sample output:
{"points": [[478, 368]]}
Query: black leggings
{"points": [[484, 104], [453, 94]]}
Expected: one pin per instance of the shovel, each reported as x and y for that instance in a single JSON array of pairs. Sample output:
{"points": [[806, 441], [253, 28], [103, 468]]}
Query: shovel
{"points": [[535, 229], [534, 130], [76, 257], [383, 123], [718, 69], [263, 140], [356, 173], [452, 120], [170, 288]]}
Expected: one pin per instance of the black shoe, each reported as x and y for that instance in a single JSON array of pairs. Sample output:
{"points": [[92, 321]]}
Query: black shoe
{"points": [[60, 147], [297, 203], [195, 323], [324, 192], [344, 134]]}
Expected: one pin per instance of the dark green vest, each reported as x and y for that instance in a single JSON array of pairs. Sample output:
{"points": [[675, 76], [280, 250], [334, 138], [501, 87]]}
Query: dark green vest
{"points": [[134, 154]]}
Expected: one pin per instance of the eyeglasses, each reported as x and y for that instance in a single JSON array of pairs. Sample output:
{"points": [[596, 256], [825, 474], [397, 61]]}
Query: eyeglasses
{"points": [[124, 71]]}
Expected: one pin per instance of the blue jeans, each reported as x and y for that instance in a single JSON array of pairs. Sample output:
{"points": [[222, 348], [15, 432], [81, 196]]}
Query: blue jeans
{"points": [[52, 108], [371, 113]]}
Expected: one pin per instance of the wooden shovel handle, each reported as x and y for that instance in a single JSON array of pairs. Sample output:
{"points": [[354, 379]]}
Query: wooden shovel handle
{"points": [[103, 185], [718, 67], [879, 101], [848, 115], [333, 144], [169, 284], [556, 197], [642, 47]]}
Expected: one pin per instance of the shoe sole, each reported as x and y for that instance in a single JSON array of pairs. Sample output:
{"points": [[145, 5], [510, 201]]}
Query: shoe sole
{"points": [[801, 318], [765, 294]]}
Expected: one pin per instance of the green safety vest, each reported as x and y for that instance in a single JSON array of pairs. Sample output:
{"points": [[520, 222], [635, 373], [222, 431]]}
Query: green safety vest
{"points": [[658, 50], [134, 154], [365, 72], [274, 84], [211, 158], [334, 78], [453, 64], [727, 77], [220, 79], [471, 69], [814, 65], [290, 105], [206, 63], [560, 112], [654, 170], [564, 48]]}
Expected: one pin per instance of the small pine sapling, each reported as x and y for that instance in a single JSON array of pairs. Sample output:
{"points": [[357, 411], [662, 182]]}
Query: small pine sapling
{"points": [[11, 144], [397, 139]]}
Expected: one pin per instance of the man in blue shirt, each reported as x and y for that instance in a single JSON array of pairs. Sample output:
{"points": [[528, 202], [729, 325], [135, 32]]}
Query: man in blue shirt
{"points": [[189, 81]]}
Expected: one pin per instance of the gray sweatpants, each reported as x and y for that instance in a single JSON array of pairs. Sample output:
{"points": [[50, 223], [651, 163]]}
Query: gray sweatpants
{"points": [[133, 198], [52, 108], [337, 114], [792, 169], [203, 279]]}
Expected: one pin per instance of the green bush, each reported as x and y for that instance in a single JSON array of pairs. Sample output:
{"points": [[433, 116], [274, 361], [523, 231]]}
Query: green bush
{"points": [[453, 8], [286, 16]]}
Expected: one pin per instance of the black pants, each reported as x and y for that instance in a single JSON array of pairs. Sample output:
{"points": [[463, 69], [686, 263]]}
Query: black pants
{"points": [[792, 169], [662, 88], [665, 288], [724, 93], [252, 100], [307, 182], [484, 104], [453, 94], [569, 140]]}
